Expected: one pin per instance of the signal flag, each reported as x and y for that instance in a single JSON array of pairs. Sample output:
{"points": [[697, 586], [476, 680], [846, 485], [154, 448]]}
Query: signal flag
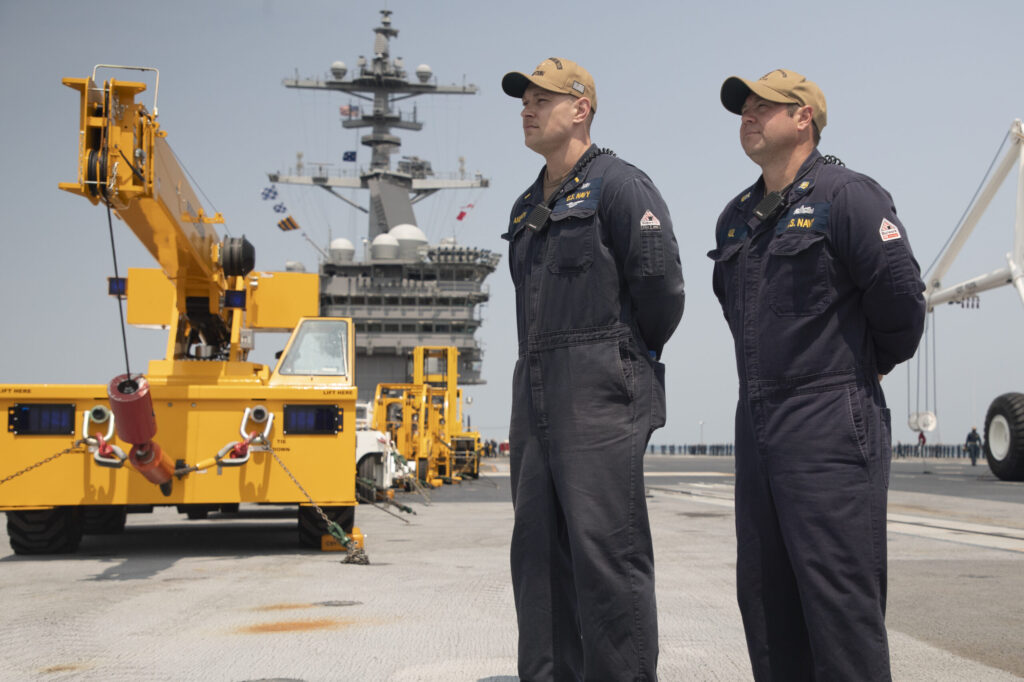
{"points": [[288, 224]]}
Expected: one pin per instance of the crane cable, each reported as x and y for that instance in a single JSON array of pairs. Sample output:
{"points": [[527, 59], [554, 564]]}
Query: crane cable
{"points": [[197, 186], [103, 189], [935, 371], [941, 251], [960, 222], [929, 374], [117, 278]]}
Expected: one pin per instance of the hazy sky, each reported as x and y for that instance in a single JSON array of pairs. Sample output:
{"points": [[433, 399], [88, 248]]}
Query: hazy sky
{"points": [[920, 95]]}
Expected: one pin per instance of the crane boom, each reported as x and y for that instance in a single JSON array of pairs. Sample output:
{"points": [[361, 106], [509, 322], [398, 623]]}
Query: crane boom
{"points": [[126, 162], [1013, 273]]}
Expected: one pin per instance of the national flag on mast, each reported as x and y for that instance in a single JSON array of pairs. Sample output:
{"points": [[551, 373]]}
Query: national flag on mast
{"points": [[348, 110], [348, 156], [463, 211]]}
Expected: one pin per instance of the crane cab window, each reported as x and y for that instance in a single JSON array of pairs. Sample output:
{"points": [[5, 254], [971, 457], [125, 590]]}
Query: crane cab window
{"points": [[319, 349]]}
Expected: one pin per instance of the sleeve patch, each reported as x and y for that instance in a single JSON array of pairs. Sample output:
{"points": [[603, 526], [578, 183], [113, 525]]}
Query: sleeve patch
{"points": [[888, 231], [649, 221]]}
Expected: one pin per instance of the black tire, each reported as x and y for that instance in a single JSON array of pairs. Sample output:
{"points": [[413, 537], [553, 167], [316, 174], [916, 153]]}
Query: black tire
{"points": [[312, 526], [229, 508], [104, 519], [45, 531], [1004, 437], [365, 470], [197, 512]]}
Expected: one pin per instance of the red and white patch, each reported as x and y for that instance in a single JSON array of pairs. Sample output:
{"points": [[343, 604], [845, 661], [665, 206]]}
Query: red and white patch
{"points": [[887, 231], [650, 222]]}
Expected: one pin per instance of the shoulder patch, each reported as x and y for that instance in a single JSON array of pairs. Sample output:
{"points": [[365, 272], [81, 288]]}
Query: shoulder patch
{"points": [[649, 221], [888, 231]]}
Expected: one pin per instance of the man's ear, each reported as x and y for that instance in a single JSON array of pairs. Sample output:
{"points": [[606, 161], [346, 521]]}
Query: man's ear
{"points": [[582, 109], [805, 116]]}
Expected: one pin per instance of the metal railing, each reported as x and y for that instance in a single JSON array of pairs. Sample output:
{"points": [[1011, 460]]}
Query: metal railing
{"points": [[899, 450], [723, 449]]}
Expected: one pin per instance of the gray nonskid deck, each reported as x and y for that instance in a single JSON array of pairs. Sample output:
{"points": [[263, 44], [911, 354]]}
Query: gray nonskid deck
{"points": [[232, 598]]}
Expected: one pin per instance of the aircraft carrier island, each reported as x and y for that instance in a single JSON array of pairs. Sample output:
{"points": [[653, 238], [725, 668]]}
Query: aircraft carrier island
{"points": [[400, 290]]}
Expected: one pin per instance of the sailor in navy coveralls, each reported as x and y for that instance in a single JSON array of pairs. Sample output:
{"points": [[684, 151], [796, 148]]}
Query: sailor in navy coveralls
{"points": [[823, 296], [599, 290]]}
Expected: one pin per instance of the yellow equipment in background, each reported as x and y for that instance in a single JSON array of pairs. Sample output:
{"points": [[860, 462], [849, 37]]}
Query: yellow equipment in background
{"points": [[424, 418], [203, 428]]}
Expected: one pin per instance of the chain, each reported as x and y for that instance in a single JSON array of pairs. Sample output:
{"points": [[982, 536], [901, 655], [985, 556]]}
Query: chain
{"points": [[355, 554], [40, 463], [420, 489], [364, 500]]}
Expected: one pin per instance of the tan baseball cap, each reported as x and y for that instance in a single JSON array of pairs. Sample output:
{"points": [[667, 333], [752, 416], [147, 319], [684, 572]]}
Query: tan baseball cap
{"points": [[556, 75], [780, 85]]}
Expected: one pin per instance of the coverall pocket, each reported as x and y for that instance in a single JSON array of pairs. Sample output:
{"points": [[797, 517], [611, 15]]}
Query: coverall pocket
{"points": [[820, 433], [517, 243], [727, 263], [902, 270], [857, 422], [658, 411], [797, 275], [886, 444], [652, 253], [571, 243], [626, 370]]}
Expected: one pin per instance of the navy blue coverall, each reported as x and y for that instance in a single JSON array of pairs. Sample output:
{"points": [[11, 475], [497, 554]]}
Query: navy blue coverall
{"points": [[820, 301], [973, 446], [599, 290]]}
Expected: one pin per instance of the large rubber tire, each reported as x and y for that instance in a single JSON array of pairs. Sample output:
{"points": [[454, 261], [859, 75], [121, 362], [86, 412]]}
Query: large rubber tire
{"points": [[312, 526], [365, 469], [45, 531], [197, 512], [1004, 437], [104, 519]]}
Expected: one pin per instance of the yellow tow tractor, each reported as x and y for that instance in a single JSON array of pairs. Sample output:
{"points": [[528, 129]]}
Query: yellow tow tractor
{"points": [[424, 418], [203, 428]]}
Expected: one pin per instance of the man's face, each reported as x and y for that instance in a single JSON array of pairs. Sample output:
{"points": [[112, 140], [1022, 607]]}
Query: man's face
{"points": [[767, 130], [547, 118]]}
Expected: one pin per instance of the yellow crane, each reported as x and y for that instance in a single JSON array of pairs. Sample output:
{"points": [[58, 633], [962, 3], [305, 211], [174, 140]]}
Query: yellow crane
{"points": [[424, 418], [203, 428]]}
